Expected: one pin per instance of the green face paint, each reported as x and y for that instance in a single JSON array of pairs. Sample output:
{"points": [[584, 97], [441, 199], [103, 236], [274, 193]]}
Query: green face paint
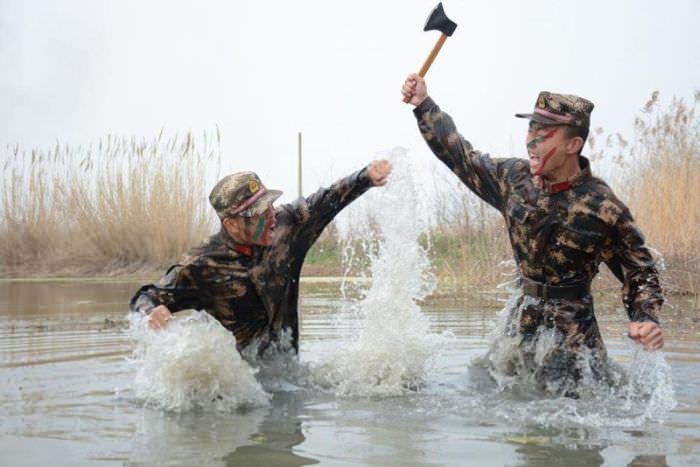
{"points": [[259, 229], [540, 139]]}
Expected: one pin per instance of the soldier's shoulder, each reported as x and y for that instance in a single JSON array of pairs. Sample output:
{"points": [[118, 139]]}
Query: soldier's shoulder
{"points": [[292, 213], [516, 163], [601, 188], [607, 203], [514, 168], [208, 246]]}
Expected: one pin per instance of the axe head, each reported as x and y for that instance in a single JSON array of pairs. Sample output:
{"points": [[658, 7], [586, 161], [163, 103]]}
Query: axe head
{"points": [[438, 21]]}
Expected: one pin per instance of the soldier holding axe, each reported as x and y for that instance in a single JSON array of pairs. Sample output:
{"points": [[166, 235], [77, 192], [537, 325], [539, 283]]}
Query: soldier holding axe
{"points": [[562, 222]]}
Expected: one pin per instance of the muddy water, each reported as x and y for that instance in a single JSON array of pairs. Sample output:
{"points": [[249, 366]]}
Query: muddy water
{"points": [[67, 395], [380, 379]]}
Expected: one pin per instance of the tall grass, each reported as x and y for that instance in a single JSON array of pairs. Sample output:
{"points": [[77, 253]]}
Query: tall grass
{"points": [[128, 205], [656, 172], [122, 206], [468, 240], [660, 180]]}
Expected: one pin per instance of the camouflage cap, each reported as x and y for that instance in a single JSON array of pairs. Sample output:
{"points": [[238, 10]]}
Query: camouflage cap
{"points": [[561, 109], [241, 194]]}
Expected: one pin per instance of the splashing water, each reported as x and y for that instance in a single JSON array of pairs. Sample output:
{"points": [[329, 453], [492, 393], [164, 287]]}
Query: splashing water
{"points": [[650, 382], [192, 364], [630, 396], [395, 347]]}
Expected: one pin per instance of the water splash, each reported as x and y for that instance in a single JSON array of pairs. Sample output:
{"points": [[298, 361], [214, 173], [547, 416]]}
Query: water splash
{"points": [[629, 396], [395, 348], [192, 364], [650, 384]]}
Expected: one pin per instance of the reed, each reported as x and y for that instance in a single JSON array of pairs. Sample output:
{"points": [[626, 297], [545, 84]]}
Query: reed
{"points": [[667, 200], [469, 243], [659, 178], [128, 205], [121, 206], [656, 172]]}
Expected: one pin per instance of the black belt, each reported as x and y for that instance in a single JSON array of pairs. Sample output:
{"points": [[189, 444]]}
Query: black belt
{"points": [[540, 290]]}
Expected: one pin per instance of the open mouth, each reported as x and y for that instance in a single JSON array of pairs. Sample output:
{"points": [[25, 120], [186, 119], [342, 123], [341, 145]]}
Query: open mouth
{"points": [[534, 160], [271, 231], [538, 163]]}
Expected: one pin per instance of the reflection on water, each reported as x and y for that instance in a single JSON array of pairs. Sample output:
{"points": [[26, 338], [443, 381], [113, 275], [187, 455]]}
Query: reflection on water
{"points": [[67, 397]]}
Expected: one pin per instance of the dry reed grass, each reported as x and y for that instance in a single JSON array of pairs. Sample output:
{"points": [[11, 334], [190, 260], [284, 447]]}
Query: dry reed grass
{"points": [[131, 205], [667, 201], [657, 173], [122, 206], [469, 243], [659, 178]]}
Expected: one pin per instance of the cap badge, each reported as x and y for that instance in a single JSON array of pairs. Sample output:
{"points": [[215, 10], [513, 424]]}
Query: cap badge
{"points": [[253, 186], [541, 102]]}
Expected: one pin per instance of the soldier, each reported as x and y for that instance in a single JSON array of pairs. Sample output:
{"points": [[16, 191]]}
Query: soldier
{"points": [[247, 275], [562, 223]]}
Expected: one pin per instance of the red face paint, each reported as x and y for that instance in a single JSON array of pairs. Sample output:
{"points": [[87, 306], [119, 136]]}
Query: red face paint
{"points": [[545, 159], [537, 141]]}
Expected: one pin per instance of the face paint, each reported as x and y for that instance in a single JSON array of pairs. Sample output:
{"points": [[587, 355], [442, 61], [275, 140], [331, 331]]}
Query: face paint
{"points": [[259, 230], [545, 159], [541, 139]]}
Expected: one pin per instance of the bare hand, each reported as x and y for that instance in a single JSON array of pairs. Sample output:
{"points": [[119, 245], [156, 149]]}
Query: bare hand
{"points": [[647, 333], [159, 317], [378, 172], [414, 87]]}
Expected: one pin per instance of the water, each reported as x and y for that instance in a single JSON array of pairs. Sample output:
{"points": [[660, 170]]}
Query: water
{"points": [[67, 396], [380, 380], [193, 364], [395, 347]]}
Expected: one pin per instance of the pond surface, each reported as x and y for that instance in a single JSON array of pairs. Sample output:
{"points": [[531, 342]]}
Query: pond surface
{"points": [[68, 395]]}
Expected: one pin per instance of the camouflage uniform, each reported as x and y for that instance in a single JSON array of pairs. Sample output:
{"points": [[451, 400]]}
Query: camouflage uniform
{"points": [[252, 290], [559, 235]]}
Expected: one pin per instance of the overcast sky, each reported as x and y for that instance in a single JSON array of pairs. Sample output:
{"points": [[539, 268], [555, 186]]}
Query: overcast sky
{"points": [[74, 71]]}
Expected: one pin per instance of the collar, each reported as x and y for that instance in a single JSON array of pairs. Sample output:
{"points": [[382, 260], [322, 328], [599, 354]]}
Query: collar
{"points": [[559, 187], [246, 250], [580, 178], [243, 249]]}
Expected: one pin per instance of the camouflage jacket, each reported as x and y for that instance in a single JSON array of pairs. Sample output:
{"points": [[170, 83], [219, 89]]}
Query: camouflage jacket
{"points": [[253, 295], [559, 237]]}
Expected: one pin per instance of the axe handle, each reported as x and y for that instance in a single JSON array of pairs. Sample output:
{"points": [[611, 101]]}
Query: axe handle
{"points": [[430, 59]]}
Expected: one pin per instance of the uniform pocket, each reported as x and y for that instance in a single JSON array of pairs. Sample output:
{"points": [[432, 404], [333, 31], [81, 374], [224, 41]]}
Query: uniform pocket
{"points": [[519, 211], [225, 286], [578, 239]]}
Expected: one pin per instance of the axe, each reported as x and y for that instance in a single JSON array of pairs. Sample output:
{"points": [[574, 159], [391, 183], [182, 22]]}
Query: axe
{"points": [[437, 21]]}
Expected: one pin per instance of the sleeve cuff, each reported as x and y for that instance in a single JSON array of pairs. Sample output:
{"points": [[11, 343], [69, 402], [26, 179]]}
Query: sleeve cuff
{"points": [[427, 104], [641, 316], [362, 178], [142, 304]]}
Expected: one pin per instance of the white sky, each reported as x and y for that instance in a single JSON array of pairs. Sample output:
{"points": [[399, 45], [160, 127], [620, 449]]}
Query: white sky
{"points": [[74, 71]]}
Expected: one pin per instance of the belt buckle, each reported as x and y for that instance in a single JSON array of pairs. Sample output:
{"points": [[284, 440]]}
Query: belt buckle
{"points": [[542, 291]]}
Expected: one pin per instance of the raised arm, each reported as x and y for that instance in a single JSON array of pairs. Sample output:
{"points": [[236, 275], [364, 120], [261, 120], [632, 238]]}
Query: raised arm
{"points": [[309, 216], [484, 176]]}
